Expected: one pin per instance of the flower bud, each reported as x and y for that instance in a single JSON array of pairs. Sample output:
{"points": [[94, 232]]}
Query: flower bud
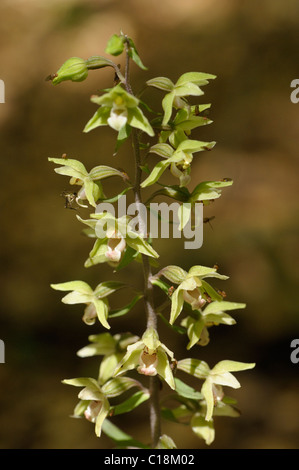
{"points": [[74, 69]]}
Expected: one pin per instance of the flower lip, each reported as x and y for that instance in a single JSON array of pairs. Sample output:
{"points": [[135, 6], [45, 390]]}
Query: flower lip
{"points": [[148, 362], [194, 298], [93, 410]]}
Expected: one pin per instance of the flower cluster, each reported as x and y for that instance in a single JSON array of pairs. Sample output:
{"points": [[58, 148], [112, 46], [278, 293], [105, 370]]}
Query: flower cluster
{"points": [[193, 304]]}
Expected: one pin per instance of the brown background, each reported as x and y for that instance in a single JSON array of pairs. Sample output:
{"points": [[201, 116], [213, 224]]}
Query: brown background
{"points": [[252, 47]]}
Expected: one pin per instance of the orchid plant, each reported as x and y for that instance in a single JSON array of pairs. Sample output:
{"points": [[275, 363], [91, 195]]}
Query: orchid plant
{"points": [[192, 305]]}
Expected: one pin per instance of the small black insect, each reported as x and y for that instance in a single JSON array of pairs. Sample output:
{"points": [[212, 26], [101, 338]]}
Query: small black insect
{"points": [[69, 197]]}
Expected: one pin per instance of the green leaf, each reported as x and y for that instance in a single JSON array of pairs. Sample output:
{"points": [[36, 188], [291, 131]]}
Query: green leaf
{"points": [[119, 437], [133, 54], [115, 45], [162, 83], [108, 287], [119, 385], [131, 403], [124, 310], [186, 391]]}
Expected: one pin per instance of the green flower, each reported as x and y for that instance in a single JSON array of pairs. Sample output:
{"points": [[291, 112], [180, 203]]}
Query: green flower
{"points": [[112, 348], [220, 376], [179, 160], [213, 314], [94, 402], [114, 237], [192, 287], [91, 188], [117, 109], [96, 302], [149, 356], [187, 85]]}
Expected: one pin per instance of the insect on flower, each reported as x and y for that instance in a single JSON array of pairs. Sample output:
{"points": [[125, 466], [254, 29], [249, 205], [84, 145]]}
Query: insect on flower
{"points": [[69, 197]]}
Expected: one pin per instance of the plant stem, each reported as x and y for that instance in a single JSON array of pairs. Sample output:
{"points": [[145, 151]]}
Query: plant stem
{"points": [[154, 386]]}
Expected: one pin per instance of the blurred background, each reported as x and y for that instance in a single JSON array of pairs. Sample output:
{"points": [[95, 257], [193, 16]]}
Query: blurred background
{"points": [[252, 47]]}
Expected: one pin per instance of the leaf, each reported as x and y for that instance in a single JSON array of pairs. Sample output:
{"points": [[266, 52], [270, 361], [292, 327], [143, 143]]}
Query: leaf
{"points": [[119, 385], [119, 437], [124, 310], [131, 403], [133, 54], [115, 45], [108, 287], [162, 83], [186, 391]]}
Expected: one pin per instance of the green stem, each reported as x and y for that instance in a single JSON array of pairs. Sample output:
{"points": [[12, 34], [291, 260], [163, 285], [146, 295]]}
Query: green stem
{"points": [[154, 386]]}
